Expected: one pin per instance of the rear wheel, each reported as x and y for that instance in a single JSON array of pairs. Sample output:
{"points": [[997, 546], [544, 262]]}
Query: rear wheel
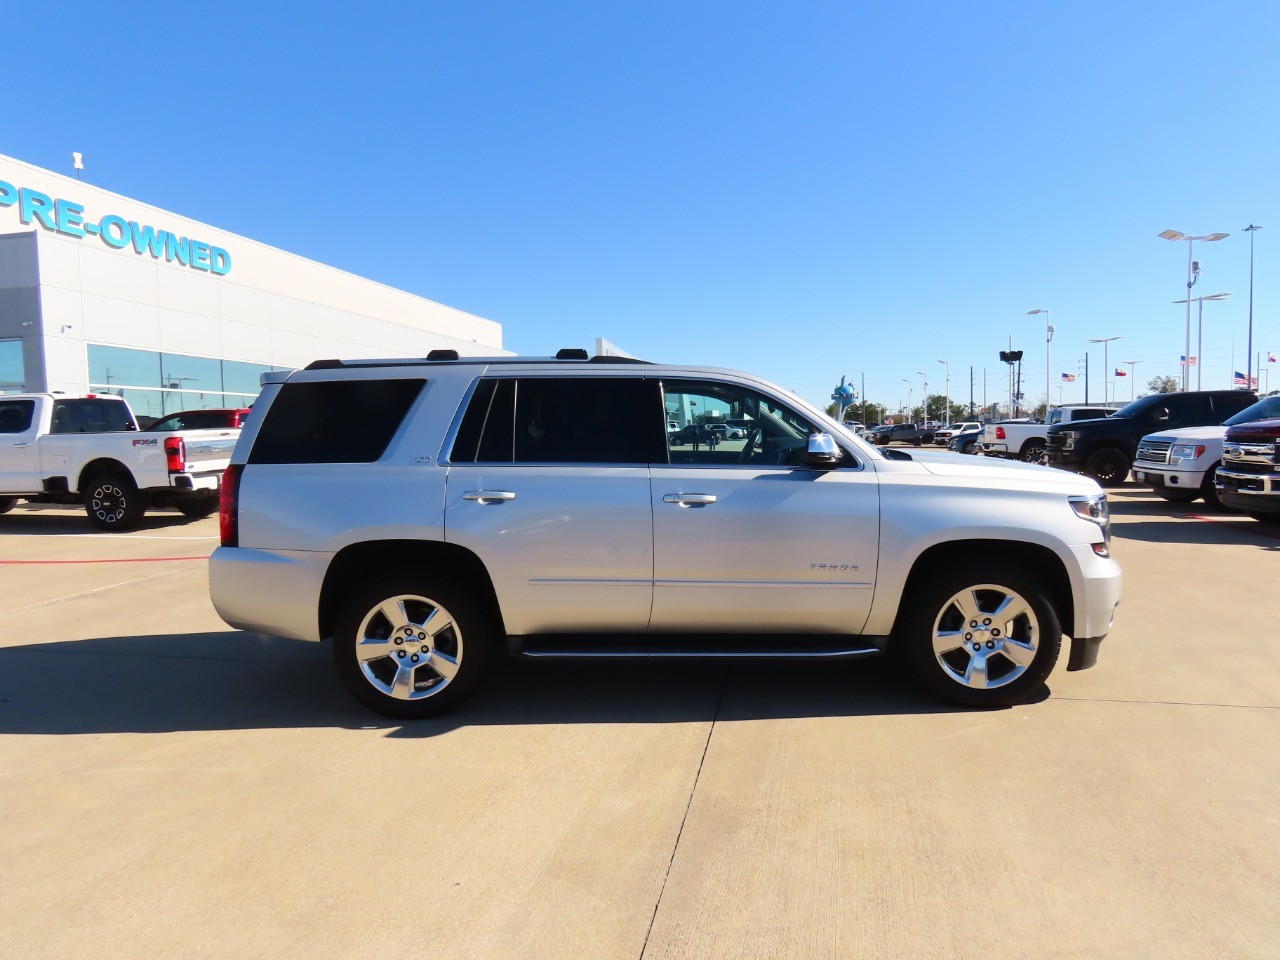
{"points": [[113, 502], [7, 504], [1108, 466], [198, 508], [1033, 451], [411, 646], [983, 638]]}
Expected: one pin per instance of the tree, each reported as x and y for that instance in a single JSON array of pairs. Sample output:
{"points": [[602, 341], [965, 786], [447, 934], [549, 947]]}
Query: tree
{"points": [[1164, 385]]}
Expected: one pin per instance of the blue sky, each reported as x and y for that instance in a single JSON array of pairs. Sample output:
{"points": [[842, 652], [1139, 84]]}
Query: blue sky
{"points": [[801, 190]]}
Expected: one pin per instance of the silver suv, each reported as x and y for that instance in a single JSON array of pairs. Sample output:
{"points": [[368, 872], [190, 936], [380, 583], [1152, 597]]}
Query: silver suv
{"points": [[425, 513]]}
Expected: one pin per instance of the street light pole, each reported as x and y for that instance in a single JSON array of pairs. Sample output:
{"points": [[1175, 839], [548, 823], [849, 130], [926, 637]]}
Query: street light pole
{"points": [[1048, 335], [925, 396], [1131, 364], [1200, 331], [1251, 229], [946, 417], [1192, 275], [1106, 363]]}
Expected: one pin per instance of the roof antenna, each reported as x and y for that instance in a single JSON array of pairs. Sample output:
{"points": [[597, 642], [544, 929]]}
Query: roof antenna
{"points": [[77, 161]]}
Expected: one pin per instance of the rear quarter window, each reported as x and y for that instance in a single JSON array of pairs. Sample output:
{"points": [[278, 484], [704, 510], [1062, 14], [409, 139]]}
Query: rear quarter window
{"points": [[334, 421], [16, 415]]}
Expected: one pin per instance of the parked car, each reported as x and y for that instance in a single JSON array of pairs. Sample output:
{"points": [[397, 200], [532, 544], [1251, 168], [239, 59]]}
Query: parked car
{"points": [[1179, 465], [425, 514], [965, 442], [1025, 439], [226, 419], [727, 431], [88, 450], [944, 436], [901, 432], [1249, 478], [1105, 449]]}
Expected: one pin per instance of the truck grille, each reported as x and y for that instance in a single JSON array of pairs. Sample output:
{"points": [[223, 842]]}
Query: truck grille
{"points": [[1257, 458], [1054, 440], [1249, 466], [1154, 451]]}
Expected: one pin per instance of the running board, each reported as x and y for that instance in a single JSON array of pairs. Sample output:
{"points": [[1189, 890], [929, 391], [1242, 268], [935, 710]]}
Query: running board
{"points": [[771, 647]]}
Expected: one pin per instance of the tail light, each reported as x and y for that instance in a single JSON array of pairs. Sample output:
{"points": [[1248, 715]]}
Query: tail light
{"points": [[1000, 433], [175, 451], [229, 506]]}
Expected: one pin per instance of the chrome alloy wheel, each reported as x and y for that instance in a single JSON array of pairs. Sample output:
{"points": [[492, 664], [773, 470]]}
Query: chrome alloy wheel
{"points": [[409, 647], [108, 501], [986, 636]]}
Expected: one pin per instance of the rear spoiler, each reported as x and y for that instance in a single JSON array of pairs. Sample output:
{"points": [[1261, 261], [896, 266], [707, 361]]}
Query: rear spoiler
{"points": [[274, 376]]}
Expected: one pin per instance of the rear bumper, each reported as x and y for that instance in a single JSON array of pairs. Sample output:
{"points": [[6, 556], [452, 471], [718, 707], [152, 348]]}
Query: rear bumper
{"points": [[204, 482], [276, 592]]}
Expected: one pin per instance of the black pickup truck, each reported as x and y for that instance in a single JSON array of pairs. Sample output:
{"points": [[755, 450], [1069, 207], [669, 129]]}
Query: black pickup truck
{"points": [[1104, 449]]}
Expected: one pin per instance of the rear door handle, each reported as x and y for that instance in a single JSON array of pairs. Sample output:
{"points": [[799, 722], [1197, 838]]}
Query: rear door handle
{"points": [[488, 496], [690, 499]]}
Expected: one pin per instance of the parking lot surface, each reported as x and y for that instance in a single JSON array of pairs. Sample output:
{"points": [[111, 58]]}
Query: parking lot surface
{"points": [[172, 788]]}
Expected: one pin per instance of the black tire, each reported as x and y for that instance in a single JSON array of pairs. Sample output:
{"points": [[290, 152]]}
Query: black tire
{"points": [[1033, 637], [1033, 451], [1176, 496], [113, 502], [7, 504], [1271, 519], [916, 442], [198, 508], [1209, 492], [1108, 466], [422, 599]]}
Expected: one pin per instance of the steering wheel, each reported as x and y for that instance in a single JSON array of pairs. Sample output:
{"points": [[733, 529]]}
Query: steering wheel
{"points": [[744, 456]]}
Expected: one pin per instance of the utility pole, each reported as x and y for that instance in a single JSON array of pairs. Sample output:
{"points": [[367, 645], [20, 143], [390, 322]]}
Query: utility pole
{"points": [[971, 391], [1086, 377]]}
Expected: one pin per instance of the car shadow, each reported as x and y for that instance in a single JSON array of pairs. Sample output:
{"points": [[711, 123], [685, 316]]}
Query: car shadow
{"points": [[34, 520], [238, 681]]}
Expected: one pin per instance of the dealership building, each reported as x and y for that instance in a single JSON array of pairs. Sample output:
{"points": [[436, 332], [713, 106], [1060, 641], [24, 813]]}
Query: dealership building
{"points": [[100, 293]]}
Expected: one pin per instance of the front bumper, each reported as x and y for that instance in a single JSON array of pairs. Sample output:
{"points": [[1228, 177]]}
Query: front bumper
{"points": [[1096, 586], [1164, 477]]}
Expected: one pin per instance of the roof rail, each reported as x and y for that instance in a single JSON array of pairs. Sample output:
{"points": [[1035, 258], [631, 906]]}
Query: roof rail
{"points": [[439, 356]]}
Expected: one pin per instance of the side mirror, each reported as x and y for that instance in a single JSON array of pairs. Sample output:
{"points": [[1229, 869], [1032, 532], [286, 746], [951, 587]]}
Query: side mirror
{"points": [[823, 452], [1162, 415]]}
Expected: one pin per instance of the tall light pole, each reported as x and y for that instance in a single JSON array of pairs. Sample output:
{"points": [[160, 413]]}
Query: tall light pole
{"points": [[1106, 367], [946, 418], [1048, 335], [925, 395], [1200, 330], [1191, 282], [908, 414], [1132, 373], [1251, 229]]}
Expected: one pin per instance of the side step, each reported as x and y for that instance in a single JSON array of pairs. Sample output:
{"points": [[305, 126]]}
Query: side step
{"points": [[695, 646]]}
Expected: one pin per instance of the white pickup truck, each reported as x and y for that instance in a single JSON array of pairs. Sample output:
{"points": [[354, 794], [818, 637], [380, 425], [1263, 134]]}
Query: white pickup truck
{"points": [[1024, 439], [88, 449]]}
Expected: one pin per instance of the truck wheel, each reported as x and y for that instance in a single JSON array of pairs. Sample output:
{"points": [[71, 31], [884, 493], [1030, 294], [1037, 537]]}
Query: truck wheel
{"points": [[1108, 466], [113, 502], [7, 504], [983, 638], [411, 646], [198, 508], [1176, 496], [1209, 492], [1033, 451]]}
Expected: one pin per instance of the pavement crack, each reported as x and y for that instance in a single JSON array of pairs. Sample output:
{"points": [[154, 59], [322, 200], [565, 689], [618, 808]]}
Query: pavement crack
{"points": [[724, 688], [89, 593], [1171, 703]]}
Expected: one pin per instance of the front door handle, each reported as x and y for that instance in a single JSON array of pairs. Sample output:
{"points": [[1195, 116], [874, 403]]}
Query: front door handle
{"points": [[488, 496], [22, 444], [690, 499]]}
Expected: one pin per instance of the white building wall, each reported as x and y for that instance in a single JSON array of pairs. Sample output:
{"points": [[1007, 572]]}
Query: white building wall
{"points": [[271, 307]]}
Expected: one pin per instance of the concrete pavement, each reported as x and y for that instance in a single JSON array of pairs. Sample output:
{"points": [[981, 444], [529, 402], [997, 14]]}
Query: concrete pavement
{"points": [[174, 788]]}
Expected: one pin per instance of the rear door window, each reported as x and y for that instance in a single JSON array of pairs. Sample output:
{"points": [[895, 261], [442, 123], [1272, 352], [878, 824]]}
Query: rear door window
{"points": [[90, 415], [16, 415], [562, 420], [334, 421]]}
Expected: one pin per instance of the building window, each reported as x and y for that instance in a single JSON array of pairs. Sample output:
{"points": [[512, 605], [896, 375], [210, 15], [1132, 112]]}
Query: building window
{"points": [[12, 379]]}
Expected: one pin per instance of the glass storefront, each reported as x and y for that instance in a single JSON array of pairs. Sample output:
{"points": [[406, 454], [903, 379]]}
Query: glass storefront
{"points": [[11, 377], [157, 384]]}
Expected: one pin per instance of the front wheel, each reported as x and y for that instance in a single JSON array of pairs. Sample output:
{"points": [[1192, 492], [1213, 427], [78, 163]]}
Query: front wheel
{"points": [[984, 638], [1176, 496], [7, 504], [113, 503], [411, 646], [1267, 518], [1108, 466]]}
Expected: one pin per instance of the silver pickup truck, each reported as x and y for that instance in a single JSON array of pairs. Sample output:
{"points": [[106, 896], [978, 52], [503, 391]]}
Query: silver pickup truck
{"points": [[89, 450]]}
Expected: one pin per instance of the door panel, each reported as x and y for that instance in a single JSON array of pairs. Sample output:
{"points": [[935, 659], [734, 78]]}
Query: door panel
{"points": [[569, 548], [780, 549]]}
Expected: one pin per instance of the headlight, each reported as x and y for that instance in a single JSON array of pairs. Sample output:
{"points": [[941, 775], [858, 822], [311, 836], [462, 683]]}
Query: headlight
{"points": [[1094, 509], [1069, 438], [1186, 451]]}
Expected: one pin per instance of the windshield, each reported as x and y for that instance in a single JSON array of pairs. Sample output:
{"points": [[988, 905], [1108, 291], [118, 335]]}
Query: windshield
{"points": [[1139, 406], [1262, 410]]}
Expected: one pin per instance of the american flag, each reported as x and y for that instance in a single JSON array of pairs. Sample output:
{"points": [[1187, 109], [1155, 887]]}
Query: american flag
{"points": [[1121, 373], [1239, 380], [1069, 377], [1184, 361], [1271, 358]]}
